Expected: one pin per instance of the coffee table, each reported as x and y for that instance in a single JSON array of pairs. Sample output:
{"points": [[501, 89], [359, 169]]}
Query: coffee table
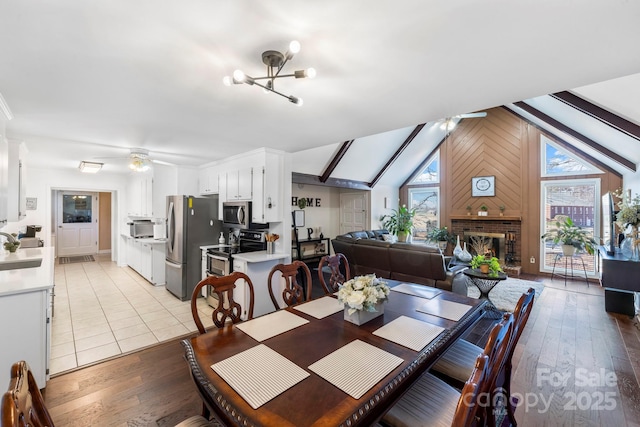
{"points": [[485, 283]]}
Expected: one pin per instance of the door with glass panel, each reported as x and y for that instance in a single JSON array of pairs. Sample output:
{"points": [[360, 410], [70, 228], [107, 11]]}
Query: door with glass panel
{"points": [[77, 223], [578, 199]]}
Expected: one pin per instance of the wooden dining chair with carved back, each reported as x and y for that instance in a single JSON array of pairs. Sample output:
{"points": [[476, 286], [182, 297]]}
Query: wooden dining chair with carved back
{"points": [[23, 404], [228, 309], [335, 264], [293, 292], [431, 401], [456, 363]]}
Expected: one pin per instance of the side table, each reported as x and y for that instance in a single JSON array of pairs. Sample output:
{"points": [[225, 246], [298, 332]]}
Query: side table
{"points": [[568, 259], [485, 283]]}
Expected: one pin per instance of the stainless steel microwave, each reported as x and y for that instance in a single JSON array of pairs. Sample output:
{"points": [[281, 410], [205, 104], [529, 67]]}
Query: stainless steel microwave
{"points": [[238, 215]]}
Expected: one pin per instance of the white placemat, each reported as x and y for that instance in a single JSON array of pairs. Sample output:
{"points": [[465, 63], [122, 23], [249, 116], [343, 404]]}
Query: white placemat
{"points": [[447, 309], [416, 290], [259, 374], [321, 307], [411, 333], [356, 367], [270, 325]]}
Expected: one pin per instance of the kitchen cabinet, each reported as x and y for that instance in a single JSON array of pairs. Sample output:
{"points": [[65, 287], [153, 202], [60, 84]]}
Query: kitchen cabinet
{"points": [[239, 184], [146, 257], [267, 189], [258, 271], [4, 167], [140, 198], [16, 181], [208, 181]]}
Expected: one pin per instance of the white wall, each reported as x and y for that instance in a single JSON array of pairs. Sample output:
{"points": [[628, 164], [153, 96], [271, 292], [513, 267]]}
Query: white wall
{"points": [[378, 195], [632, 181], [327, 215]]}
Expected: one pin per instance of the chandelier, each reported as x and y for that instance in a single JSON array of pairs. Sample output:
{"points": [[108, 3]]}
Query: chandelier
{"points": [[275, 62]]}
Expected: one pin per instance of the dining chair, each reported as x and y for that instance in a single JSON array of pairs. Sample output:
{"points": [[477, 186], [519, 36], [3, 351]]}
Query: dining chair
{"points": [[227, 308], [334, 264], [293, 293], [457, 362], [432, 401], [23, 404]]}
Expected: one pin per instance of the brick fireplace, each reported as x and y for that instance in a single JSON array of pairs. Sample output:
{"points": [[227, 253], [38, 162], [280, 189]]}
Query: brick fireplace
{"points": [[502, 233]]}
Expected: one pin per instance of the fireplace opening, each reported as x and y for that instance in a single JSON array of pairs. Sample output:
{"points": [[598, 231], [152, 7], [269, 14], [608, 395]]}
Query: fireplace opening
{"points": [[482, 243]]}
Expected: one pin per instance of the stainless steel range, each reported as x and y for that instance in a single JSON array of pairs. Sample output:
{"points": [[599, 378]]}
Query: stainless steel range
{"points": [[220, 257]]}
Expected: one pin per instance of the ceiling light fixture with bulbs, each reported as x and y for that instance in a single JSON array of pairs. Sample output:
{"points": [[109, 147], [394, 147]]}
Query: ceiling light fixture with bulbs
{"points": [[90, 167], [140, 161], [275, 62]]}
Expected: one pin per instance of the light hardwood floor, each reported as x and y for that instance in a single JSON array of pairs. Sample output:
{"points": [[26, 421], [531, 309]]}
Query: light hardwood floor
{"points": [[570, 348]]}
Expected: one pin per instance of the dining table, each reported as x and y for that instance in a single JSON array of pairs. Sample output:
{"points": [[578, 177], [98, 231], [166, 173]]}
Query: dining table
{"points": [[306, 365]]}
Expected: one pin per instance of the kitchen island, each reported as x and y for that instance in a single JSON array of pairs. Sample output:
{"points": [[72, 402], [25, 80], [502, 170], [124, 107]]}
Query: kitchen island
{"points": [[26, 310]]}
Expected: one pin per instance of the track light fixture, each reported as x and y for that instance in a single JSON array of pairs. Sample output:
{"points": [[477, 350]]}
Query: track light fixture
{"points": [[274, 61]]}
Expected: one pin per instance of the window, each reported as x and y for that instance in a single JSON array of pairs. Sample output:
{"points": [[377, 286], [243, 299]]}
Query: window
{"points": [[431, 173], [426, 202], [76, 208], [556, 161], [578, 199]]}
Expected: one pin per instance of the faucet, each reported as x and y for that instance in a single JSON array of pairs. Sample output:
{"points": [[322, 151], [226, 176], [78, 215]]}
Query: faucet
{"points": [[9, 237]]}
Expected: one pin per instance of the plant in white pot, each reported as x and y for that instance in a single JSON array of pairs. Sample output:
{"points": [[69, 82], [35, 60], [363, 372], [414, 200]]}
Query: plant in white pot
{"points": [[571, 237], [441, 236], [400, 222]]}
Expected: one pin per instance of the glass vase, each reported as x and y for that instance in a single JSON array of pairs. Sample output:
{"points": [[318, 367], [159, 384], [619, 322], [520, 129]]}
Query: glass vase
{"points": [[630, 246], [457, 250]]}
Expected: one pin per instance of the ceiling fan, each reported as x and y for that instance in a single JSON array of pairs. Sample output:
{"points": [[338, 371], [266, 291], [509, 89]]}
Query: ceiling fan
{"points": [[139, 160], [450, 123]]}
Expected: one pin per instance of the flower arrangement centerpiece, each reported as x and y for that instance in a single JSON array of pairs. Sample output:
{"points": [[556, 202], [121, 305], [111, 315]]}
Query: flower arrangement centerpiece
{"points": [[362, 296], [629, 216]]}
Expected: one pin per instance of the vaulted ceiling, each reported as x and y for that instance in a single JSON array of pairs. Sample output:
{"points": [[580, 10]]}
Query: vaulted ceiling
{"points": [[87, 81]]}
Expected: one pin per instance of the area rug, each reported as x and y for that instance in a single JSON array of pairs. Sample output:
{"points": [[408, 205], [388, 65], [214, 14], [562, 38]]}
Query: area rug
{"points": [[506, 293], [72, 259]]}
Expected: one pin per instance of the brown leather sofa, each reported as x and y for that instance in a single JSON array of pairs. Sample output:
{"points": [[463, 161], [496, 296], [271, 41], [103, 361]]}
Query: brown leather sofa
{"points": [[368, 252]]}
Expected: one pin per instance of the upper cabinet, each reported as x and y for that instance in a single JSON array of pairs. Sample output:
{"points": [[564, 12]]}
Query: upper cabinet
{"points": [[4, 166], [16, 181], [240, 184], [209, 181], [140, 192]]}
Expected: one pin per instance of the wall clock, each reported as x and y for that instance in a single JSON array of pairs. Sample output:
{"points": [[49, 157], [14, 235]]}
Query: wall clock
{"points": [[483, 186]]}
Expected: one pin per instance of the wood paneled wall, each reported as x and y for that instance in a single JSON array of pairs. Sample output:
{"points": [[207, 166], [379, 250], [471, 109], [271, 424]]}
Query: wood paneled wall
{"points": [[507, 147]]}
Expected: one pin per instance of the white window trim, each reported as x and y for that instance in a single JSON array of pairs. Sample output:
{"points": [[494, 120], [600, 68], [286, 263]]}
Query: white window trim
{"points": [[596, 217], [435, 156], [435, 189]]}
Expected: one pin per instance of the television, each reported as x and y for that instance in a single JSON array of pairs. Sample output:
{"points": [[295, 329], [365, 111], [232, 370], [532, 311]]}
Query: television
{"points": [[609, 238]]}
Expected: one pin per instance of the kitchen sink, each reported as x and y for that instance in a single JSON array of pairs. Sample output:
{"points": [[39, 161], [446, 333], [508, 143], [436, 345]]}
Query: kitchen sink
{"points": [[16, 264]]}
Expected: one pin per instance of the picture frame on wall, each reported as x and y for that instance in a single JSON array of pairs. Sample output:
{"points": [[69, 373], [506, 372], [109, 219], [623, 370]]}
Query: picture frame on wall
{"points": [[482, 186]]}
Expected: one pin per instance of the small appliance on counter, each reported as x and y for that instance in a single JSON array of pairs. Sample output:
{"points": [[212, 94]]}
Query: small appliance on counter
{"points": [[140, 228]]}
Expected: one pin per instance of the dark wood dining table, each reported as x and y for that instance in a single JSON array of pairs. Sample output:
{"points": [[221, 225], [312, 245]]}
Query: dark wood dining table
{"points": [[314, 401]]}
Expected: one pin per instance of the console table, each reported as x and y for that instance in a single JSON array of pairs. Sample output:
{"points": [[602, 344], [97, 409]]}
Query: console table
{"points": [[620, 278]]}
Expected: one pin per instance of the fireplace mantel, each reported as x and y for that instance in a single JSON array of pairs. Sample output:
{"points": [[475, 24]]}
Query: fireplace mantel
{"points": [[484, 218]]}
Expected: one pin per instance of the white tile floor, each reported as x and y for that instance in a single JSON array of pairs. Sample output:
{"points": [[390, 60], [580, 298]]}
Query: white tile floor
{"points": [[102, 310]]}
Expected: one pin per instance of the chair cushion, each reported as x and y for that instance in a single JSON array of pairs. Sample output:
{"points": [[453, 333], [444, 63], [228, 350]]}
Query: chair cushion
{"points": [[459, 360], [429, 402]]}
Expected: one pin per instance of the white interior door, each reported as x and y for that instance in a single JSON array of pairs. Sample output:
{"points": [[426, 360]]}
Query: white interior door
{"points": [[77, 223], [353, 212]]}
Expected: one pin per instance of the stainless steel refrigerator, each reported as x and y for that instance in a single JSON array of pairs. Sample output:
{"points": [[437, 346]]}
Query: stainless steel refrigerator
{"points": [[191, 222]]}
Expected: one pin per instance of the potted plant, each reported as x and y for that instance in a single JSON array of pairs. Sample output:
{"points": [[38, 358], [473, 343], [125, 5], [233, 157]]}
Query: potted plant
{"points": [[571, 237], [440, 235], [469, 209], [400, 222], [501, 207], [483, 210], [486, 265]]}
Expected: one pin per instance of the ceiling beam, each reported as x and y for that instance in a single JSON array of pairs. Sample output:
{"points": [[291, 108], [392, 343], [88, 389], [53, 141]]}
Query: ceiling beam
{"points": [[303, 178], [566, 145], [607, 117], [395, 156], [336, 159], [587, 141]]}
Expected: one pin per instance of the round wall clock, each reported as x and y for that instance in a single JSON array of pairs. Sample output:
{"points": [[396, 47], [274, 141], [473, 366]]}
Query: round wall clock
{"points": [[483, 186]]}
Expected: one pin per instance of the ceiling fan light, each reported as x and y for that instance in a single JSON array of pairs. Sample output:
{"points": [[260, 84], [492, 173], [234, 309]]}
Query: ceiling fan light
{"points": [[90, 167]]}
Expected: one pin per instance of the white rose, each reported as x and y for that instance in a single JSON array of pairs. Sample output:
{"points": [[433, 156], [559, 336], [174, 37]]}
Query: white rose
{"points": [[355, 300]]}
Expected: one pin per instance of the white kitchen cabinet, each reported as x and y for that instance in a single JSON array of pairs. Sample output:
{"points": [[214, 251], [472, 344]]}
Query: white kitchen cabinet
{"points": [[239, 184], [146, 257], [16, 181], [267, 190], [208, 181], [259, 274], [4, 169], [140, 198]]}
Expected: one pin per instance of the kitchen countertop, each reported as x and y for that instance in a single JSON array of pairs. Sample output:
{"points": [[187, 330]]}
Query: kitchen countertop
{"points": [[149, 240], [27, 279], [259, 256]]}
